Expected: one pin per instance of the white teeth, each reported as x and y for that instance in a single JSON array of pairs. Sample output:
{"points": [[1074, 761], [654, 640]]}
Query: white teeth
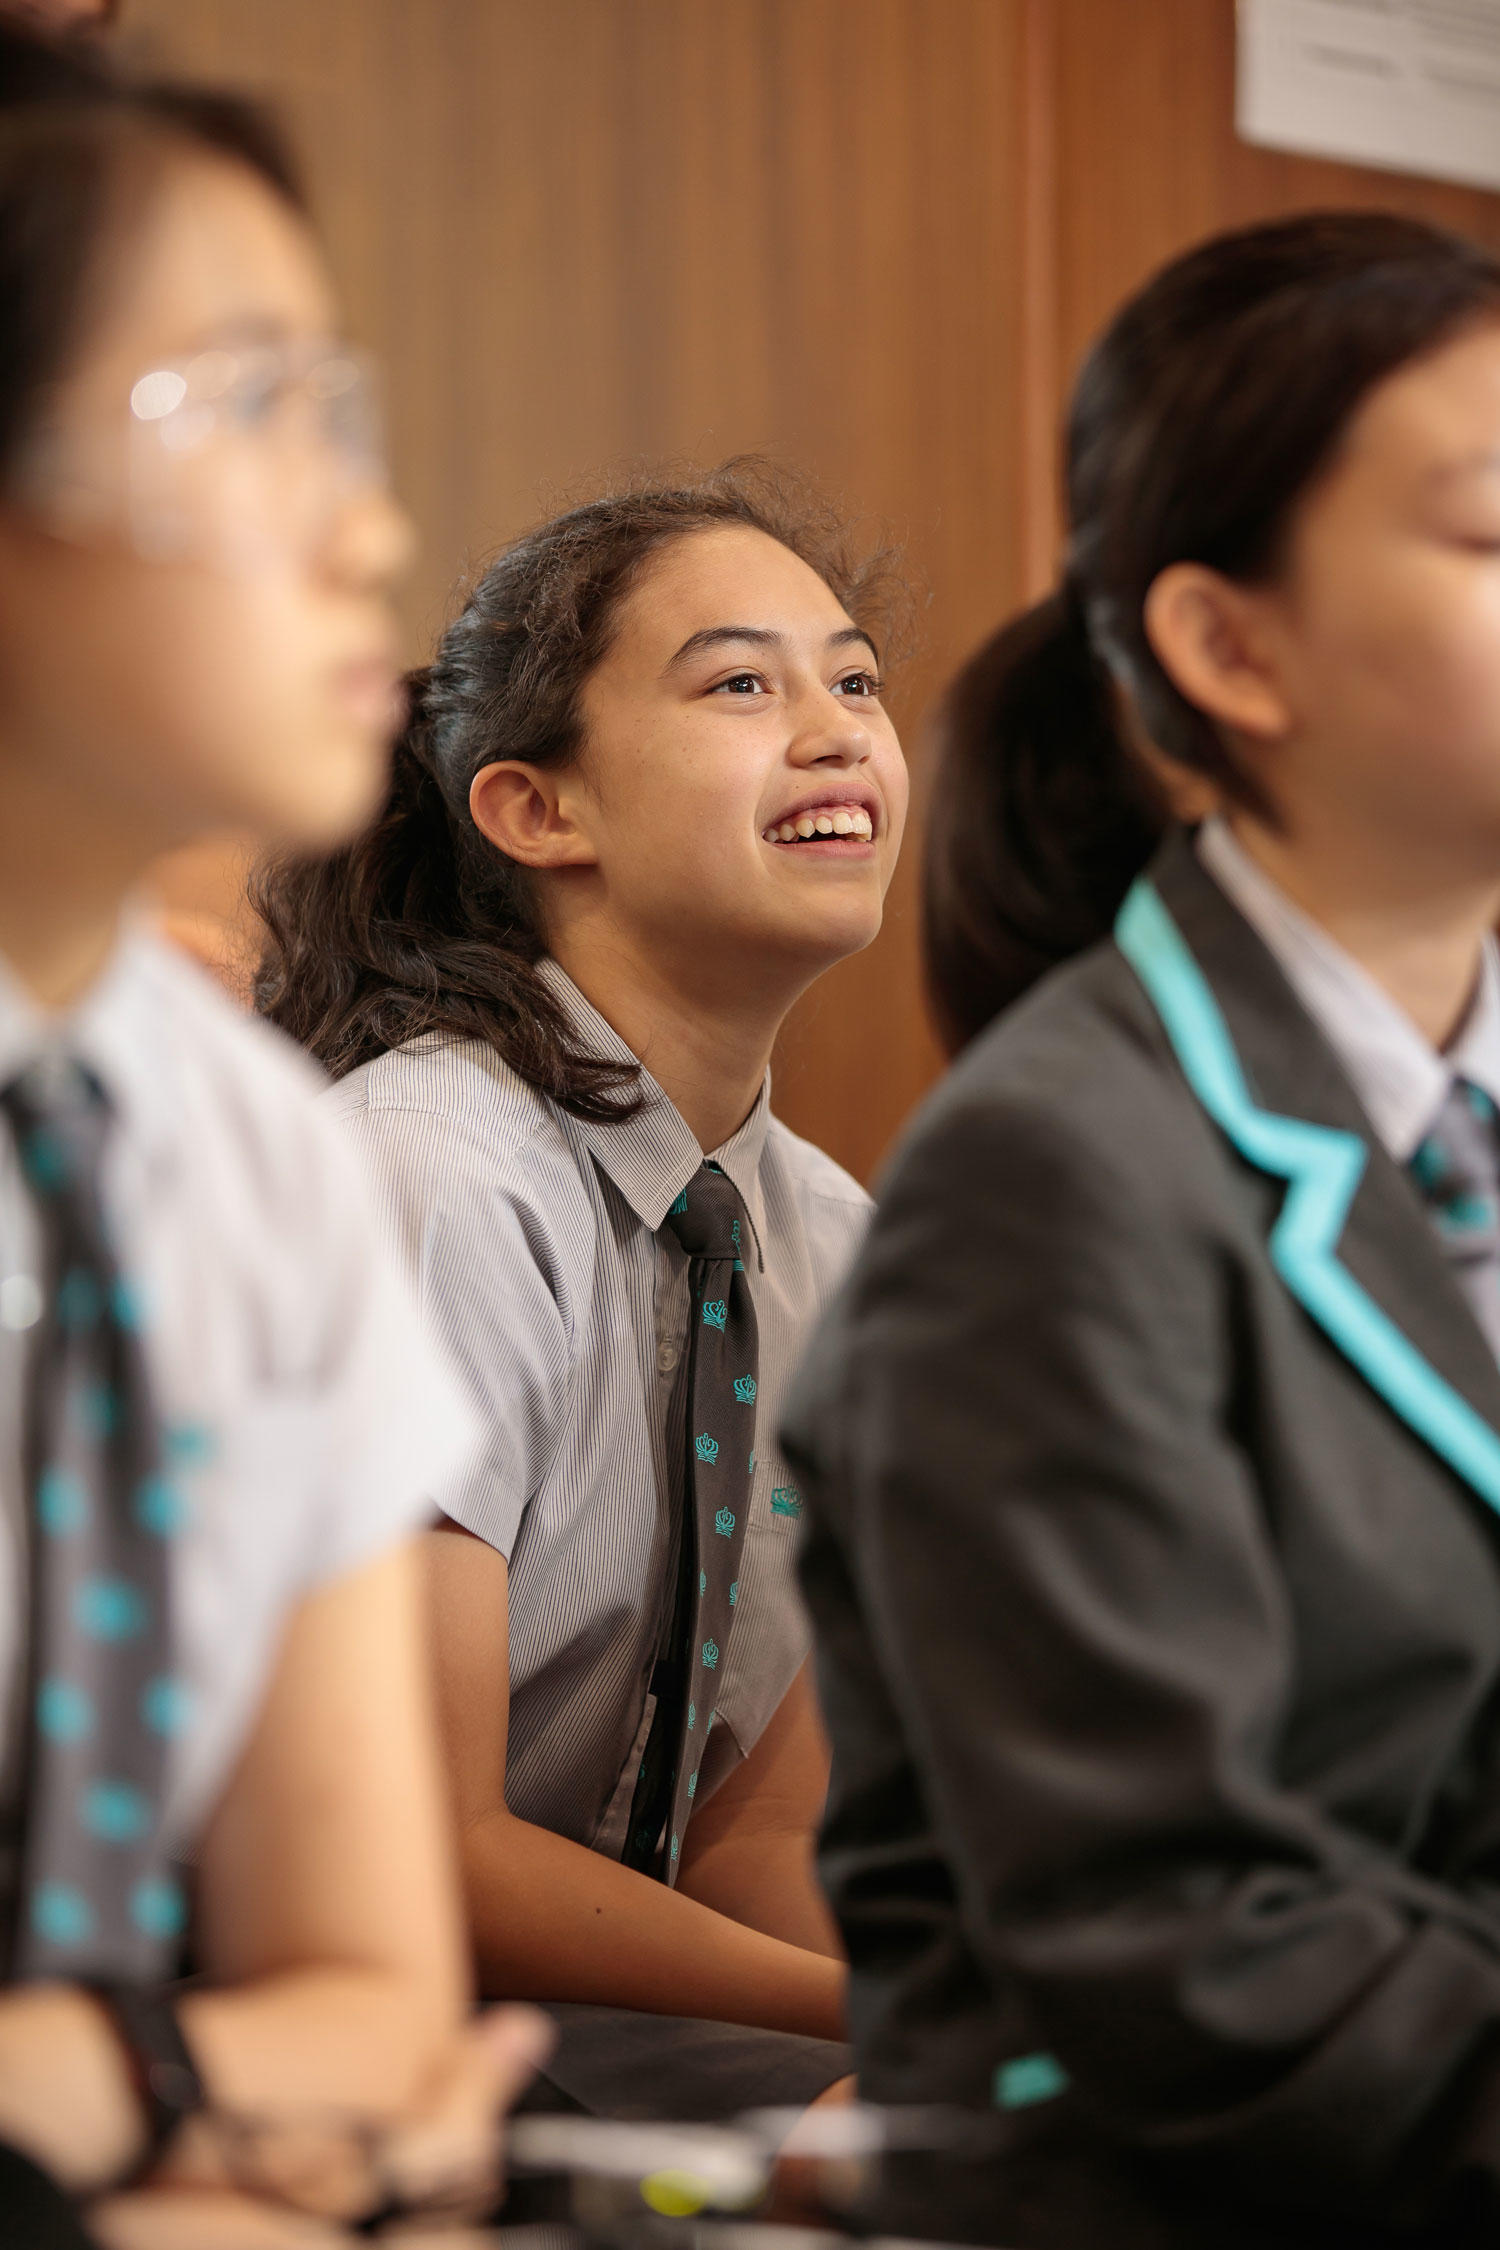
{"points": [[841, 820]]}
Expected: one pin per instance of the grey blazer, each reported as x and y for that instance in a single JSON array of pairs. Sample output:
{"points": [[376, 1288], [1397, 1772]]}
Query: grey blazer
{"points": [[1152, 1459]]}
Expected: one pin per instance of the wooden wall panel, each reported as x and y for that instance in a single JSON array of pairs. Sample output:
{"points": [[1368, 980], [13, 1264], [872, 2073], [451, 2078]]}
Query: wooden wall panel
{"points": [[1148, 160], [591, 235], [870, 236]]}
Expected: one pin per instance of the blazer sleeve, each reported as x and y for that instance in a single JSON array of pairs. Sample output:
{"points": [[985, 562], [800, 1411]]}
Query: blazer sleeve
{"points": [[1064, 1564]]}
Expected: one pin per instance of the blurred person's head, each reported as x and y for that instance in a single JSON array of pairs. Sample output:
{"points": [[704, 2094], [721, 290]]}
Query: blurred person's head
{"points": [[1281, 599], [195, 545], [655, 729]]}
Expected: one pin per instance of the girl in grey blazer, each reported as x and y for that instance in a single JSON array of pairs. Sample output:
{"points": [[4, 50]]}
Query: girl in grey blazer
{"points": [[1153, 1452]]}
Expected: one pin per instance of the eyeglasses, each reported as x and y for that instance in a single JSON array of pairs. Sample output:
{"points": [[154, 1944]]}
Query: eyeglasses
{"points": [[232, 458]]}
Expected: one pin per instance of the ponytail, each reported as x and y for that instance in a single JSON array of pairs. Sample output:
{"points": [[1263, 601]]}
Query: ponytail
{"points": [[410, 930], [1201, 417], [1041, 816]]}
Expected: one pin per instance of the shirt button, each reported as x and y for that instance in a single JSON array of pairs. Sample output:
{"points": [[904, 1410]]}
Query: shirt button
{"points": [[667, 1356]]}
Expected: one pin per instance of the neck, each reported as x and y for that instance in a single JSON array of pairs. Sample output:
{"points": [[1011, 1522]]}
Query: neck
{"points": [[1413, 919], [707, 1050], [63, 885]]}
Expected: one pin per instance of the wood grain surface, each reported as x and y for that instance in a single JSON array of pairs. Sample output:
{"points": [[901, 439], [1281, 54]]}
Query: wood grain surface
{"points": [[868, 237]]}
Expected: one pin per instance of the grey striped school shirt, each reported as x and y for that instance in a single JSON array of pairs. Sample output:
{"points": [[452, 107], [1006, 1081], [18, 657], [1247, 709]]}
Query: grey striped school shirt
{"points": [[542, 1262]]}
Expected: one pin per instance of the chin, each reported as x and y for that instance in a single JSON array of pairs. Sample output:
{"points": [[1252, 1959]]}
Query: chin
{"points": [[834, 938], [336, 795]]}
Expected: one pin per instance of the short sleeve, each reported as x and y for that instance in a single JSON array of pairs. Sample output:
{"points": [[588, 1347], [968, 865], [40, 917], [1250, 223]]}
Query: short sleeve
{"points": [[492, 1287], [391, 1423]]}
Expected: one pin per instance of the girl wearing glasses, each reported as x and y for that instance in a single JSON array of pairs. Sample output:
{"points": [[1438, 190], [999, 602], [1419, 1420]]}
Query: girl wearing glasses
{"points": [[1155, 1451], [219, 1418], [649, 792]]}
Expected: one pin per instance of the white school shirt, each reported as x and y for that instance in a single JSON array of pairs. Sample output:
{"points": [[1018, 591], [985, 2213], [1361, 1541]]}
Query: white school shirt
{"points": [[1401, 1079], [542, 1262], [308, 1416]]}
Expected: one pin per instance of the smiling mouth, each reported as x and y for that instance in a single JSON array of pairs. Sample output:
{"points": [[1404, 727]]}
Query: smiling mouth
{"points": [[823, 824]]}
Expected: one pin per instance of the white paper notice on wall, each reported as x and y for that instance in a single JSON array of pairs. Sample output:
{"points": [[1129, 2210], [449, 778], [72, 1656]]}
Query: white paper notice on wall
{"points": [[1408, 85]]}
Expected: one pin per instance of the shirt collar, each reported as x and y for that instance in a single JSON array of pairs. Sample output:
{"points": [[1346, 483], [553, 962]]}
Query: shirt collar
{"points": [[651, 1156], [1400, 1077], [109, 1029]]}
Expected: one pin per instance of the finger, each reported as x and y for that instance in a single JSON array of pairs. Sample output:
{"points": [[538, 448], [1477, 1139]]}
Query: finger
{"points": [[519, 2040]]}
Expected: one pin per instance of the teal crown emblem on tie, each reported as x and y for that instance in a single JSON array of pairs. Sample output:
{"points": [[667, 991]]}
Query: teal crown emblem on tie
{"points": [[744, 1389], [708, 1448], [715, 1313], [711, 1654], [724, 1523]]}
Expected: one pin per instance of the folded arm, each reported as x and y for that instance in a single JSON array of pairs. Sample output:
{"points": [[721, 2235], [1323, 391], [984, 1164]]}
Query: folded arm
{"points": [[552, 1920]]}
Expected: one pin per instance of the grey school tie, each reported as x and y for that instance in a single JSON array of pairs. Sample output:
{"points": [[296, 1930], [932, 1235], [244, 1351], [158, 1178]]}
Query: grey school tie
{"points": [[708, 1220], [1457, 1168], [95, 1898]]}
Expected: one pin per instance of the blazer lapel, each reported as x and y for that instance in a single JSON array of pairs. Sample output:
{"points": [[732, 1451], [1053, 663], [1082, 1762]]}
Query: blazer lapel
{"points": [[1351, 1239]]}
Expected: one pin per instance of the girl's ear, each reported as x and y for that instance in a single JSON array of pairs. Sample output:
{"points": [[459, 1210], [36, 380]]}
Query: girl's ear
{"points": [[1211, 638], [524, 812]]}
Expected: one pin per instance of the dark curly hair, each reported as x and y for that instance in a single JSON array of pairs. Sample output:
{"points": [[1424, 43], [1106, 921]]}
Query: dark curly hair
{"points": [[421, 925]]}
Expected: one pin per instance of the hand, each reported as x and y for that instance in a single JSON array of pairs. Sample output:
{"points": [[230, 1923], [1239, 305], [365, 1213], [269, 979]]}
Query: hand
{"points": [[449, 2148], [445, 2150], [66, 2096], [184, 2219]]}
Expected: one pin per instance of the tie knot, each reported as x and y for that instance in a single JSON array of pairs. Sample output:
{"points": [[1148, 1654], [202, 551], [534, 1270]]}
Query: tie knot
{"points": [[59, 1114], [708, 1216], [1457, 1165]]}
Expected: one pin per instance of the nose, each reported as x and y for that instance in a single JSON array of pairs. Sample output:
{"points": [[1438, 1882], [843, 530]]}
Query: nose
{"points": [[832, 732], [370, 543]]}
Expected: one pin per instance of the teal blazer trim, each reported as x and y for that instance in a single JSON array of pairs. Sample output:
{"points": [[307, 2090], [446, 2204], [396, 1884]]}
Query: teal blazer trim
{"points": [[1322, 1165]]}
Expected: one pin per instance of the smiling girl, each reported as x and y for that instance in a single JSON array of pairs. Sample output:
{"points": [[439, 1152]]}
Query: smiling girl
{"points": [[649, 793]]}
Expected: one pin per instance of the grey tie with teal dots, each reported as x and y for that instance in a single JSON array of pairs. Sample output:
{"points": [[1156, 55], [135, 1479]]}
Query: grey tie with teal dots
{"points": [[709, 1221], [1457, 1169], [95, 1898]]}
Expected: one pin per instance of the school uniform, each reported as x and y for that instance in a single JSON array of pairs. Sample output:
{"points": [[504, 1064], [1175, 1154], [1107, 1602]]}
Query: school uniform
{"points": [[293, 1413], [1153, 1464], [546, 1260]]}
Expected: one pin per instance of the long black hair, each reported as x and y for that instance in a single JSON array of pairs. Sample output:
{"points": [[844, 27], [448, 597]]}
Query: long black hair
{"points": [[75, 126], [1201, 417], [421, 926]]}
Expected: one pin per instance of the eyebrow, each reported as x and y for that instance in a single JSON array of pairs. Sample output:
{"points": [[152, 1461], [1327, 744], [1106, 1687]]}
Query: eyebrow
{"points": [[762, 636]]}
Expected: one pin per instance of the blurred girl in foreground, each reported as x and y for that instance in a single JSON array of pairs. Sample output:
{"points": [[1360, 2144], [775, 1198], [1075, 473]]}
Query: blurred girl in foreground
{"points": [[1154, 1454], [219, 1416]]}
